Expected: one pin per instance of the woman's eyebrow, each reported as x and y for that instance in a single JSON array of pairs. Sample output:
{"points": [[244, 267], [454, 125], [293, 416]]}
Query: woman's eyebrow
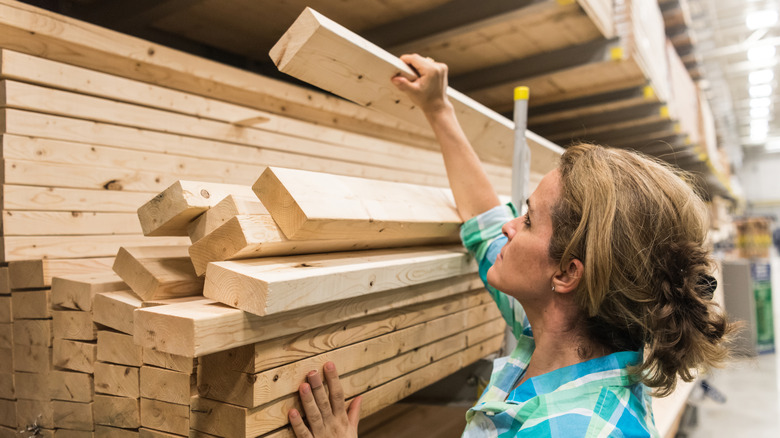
{"points": [[528, 204]]}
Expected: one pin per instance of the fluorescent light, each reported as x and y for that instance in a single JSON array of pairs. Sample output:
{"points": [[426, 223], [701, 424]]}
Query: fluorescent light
{"points": [[758, 113], [761, 76], [757, 136], [772, 146], [760, 19], [761, 102], [761, 53], [764, 90]]}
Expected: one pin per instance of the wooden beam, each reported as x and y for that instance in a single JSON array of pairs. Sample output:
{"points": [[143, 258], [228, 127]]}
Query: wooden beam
{"points": [[117, 380], [168, 361], [71, 386], [31, 274], [250, 390], [217, 215], [77, 291], [194, 330], [31, 304], [115, 411], [17, 248], [158, 272], [74, 355], [33, 332], [38, 32], [73, 415], [164, 416], [353, 68], [74, 324], [34, 412], [32, 386], [262, 356], [320, 206], [33, 223], [167, 385], [116, 309], [170, 212], [208, 415], [280, 284], [253, 236], [118, 348]]}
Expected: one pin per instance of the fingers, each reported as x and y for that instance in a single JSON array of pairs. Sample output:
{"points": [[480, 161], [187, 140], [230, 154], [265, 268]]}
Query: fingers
{"points": [[300, 429], [334, 386], [320, 395], [311, 409], [353, 414]]}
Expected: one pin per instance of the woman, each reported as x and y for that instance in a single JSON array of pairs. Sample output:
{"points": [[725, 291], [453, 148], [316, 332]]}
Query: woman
{"points": [[604, 282]]}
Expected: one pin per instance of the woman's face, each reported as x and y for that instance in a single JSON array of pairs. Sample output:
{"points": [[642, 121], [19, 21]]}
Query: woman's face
{"points": [[523, 269]]}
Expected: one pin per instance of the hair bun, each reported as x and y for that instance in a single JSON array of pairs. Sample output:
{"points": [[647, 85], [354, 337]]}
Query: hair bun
{"points": [[707, 284]]}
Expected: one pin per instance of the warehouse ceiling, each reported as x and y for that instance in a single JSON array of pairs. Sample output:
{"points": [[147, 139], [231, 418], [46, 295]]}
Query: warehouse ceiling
{"points": [[241, 32]]}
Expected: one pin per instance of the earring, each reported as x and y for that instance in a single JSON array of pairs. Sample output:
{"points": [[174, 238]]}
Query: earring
{"points": [[553, 288]]}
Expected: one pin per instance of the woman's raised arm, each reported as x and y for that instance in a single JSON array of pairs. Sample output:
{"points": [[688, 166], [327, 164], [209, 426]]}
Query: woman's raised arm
{"points": [[469, 183]]}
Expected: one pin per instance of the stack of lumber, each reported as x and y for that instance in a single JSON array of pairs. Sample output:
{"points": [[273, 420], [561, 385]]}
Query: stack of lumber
{"points": [[94, 125], [679, 29], [140, 352]]}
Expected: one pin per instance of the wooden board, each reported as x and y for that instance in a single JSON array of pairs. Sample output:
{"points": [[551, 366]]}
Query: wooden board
{"points": [[323, 53], [74, 355], [170, 212], [29, 412], [118, 348], [198, 329], [74, 324], [115, 411], [32, 359], [71, 386], [167, 385], [117, 380], [115, 310], [102, 431], [32, 386], [7, 388], [208, 415], [73, 415], [164, 416], [252, 390], [6, 309], [74, 223], [312, 206], [97, 48], [64, 199], [254, 236], [31, 303], [31, 274], [77, 291], [33, 332], [5, 281], [158, 272], [76, 247], [526, 30], [279, 351], [217, 215], [278, 284], [168, 361]]}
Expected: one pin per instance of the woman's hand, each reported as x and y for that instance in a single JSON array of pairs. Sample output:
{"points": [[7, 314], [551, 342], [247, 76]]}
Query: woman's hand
{"points": [[429, 91], [328, 416]]}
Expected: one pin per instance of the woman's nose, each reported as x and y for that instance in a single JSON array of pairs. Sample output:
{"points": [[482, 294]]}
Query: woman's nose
{"points": [[509, 229]]}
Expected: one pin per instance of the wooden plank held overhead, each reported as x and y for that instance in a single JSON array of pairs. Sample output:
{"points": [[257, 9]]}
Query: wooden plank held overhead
{"points": [[319, 51]]}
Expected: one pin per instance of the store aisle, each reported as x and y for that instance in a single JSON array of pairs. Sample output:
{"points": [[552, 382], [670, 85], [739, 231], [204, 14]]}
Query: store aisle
{"points": [[752, 409]]}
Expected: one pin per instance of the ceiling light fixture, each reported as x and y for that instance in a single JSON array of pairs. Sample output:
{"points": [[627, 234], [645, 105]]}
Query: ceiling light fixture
{"points": [[761, 102], [761, 76], [764, 90], [757, 113], [761, 19], [761, 53]]}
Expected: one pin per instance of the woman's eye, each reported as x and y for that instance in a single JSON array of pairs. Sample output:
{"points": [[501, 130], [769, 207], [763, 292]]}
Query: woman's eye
{"points": [[526, 221]]}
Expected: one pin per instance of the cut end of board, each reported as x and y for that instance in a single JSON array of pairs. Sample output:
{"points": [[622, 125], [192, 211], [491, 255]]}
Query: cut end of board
{"points": [[294, 38]]}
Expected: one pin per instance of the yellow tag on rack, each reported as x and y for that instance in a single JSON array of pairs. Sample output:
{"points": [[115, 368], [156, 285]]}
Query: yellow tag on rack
{"points": [[521, 93]]}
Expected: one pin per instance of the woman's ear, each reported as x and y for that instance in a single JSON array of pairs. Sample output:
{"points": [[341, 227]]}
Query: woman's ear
{"points": [[567, 281]]}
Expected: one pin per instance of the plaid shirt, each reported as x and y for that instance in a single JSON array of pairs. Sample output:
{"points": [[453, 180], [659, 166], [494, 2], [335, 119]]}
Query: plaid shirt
{"points": [[595, 398]]}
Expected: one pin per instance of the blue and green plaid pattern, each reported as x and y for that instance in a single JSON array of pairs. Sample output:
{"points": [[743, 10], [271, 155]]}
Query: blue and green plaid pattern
{"points": [[596, 398]]}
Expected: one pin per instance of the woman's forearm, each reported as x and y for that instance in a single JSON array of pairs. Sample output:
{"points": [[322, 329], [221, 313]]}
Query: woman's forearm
{"points": [[473, 192]]}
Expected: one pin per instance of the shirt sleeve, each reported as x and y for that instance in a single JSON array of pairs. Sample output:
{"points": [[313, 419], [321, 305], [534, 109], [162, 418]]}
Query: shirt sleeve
{"points": [[482, 237]]}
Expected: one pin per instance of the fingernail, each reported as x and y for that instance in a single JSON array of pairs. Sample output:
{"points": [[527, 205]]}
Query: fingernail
{"points": [[330, 366], [305, 388], [314, 379], [294, 414]]}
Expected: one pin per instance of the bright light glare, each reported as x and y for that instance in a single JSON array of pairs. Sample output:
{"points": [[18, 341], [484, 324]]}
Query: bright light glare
{"points": [[764, 90], [761, 19], [761, 53], [773, 146], [758, 113], [761, 76], [760, 102], [759, 129]]}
